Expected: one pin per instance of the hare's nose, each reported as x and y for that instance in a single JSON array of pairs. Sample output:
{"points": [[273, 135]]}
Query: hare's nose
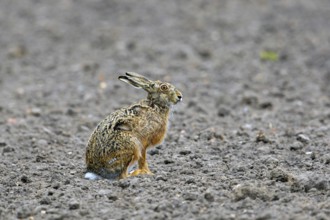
{"points": [[180, 97]]}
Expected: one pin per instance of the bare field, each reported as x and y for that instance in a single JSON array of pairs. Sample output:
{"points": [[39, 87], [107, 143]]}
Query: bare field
{"points": [[251, 139]]}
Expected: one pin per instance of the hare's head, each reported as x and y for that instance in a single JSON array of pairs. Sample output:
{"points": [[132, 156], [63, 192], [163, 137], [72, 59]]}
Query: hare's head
{"points": [[159, 93]]}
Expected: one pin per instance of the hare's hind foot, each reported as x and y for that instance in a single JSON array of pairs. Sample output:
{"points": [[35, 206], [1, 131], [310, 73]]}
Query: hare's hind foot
{"points": [[140, 172]]}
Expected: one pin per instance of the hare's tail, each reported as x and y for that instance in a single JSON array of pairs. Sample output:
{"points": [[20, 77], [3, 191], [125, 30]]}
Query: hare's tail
{"points": [[107, 175], [92, 176]]}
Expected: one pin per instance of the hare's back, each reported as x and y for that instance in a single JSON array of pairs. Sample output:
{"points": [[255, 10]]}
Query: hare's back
{"points": [[108, 124]]}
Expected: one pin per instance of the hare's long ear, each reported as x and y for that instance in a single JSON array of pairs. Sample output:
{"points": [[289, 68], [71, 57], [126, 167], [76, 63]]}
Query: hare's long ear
{"points": [[136, 75], [135, 80]]}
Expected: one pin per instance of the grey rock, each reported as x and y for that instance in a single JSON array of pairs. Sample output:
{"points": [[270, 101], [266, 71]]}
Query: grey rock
{"points": [[24, 212], [42, 143], [209, 197], [190, 196], [45, 201], [74, 204], [242, 191], [303, 138]]}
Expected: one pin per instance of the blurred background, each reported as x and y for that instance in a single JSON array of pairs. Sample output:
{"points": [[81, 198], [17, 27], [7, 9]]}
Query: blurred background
{"points": [[61, 47]]}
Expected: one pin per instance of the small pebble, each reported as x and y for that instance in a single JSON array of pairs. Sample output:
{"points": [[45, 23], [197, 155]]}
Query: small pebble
{"points": [[261, 137], [56, 185], [190, 181], [35, 112], [205, 54], [24, 212], [164, 207], [153, 152], [209, 197], [25, 179], [242, 191], [103, 85], [266, 105], [71, 112], [17, 51], [42, 143], [162, 178], [303, 138], [104, 191], [124, 184], [8, 150], [280, 175], [167, 161], [185, 152], [190, 196], [296, 146], [83, 212], [325, 159], [113, 197], [45, 201], [223, 112], [74, 204], [248, 126], [20, 92]]}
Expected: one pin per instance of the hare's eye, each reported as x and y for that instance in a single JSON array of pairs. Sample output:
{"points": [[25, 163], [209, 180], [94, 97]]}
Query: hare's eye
{"points": [[163, 87]]}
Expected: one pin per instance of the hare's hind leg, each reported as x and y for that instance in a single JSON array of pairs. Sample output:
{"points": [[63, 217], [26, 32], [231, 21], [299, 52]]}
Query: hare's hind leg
{"points": [[143, 165], [110, 158], [128, 157], [122, 163]]}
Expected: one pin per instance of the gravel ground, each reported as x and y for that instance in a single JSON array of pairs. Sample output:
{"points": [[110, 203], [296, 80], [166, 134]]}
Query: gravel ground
{"points": [[251, 140]]}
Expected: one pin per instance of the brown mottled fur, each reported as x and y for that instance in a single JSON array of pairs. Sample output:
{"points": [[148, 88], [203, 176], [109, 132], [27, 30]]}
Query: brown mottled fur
{"points": [[124, 136]]}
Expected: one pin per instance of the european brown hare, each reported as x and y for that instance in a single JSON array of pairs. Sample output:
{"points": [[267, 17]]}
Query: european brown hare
{"points": [[123, 137]]}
